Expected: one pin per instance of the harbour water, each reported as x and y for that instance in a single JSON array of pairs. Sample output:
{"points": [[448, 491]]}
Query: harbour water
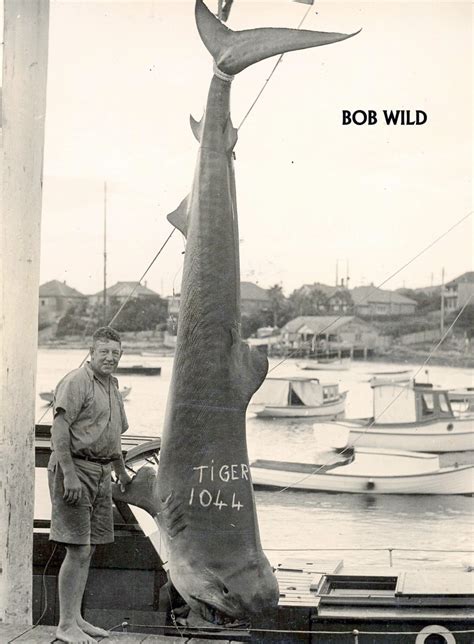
{"points": [[424, 531]]}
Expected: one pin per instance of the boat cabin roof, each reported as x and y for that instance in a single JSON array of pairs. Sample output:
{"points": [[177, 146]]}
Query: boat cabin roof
{"points": [[409, 403], [295, 391]]}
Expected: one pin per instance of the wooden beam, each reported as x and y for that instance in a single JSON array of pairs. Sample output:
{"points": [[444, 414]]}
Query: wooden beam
{"points": [[25, 35]]}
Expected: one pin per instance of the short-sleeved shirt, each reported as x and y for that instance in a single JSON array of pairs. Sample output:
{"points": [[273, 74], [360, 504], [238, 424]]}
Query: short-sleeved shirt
{"points": [[93, 409]]}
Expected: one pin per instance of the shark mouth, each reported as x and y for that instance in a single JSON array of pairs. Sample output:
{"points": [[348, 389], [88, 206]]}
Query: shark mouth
{"points": [[217, 616]]}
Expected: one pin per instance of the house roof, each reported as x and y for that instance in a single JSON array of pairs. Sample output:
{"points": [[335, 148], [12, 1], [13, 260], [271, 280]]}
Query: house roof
{"points": [[465, 277], [372, 294], [317, 323], [55, 288], [250, 291], [125, 289], [324, 288]]}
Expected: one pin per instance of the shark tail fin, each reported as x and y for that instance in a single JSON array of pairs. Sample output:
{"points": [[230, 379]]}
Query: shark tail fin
{"points": [[179, 217], [233, 51]]}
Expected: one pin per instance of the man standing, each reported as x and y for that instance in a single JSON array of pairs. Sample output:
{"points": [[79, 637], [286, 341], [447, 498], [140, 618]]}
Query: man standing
{"points": [[89, 419]]}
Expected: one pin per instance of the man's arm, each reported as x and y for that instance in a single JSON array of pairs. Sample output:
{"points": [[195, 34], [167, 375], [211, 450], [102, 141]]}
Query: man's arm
{"points": [[62, 448], [121, 472]]}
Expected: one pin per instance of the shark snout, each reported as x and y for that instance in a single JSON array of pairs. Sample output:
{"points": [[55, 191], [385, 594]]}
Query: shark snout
{"points": [[239, 596]]}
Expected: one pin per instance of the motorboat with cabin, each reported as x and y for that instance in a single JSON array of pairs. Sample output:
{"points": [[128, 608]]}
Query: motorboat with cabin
{"points": [[367, 470], [297, 397], [410, 416]]}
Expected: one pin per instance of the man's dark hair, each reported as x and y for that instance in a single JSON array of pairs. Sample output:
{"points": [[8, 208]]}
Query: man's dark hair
{"points": [[104, 334]]}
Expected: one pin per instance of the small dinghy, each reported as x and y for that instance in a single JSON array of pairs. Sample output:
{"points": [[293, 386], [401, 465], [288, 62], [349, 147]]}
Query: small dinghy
{"points": [[47, 396]]}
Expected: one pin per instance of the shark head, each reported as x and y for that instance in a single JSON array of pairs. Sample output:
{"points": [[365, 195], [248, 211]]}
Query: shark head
{"points": [[235, 593]]}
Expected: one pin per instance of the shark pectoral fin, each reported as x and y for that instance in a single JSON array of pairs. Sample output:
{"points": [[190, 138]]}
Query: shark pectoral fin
{"points": [[196, 127], [141, 491], [230, 135], [179, 217], [249, 367]]}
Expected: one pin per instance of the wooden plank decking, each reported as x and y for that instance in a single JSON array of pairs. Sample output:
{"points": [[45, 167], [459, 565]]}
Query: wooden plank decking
{"points": [[45, 634]]}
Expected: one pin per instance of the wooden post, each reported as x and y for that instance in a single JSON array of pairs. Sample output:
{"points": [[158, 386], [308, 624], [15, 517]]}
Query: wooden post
{"points": [[23, 105], [442, 304]]}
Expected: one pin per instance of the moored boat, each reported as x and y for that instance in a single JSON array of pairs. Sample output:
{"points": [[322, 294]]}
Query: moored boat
{"points": [[463, 395], [412, 417], [372, 471], [138, 370], [388, 377], [318, 594], [48, 396], [325, 364], [297, 397]]}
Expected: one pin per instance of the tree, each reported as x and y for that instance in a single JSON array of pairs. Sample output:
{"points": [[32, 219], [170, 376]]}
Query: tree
{"points": [[250, 323], [140, 314], [426, 302], [278, 305], [73, 322], [308, 300]]}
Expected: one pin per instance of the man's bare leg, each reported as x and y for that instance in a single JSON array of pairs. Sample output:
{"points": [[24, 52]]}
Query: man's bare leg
{"points": [[88, 628], [72, 582]]}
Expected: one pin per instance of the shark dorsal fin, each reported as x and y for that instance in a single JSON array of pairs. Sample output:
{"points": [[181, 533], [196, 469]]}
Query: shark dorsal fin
{"points": [[230, 135], [196, 127], [179, 217]]}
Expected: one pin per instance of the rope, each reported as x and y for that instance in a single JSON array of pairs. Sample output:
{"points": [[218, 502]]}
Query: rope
{"points": [[432, 243], [45, 590], [222, 75], [228, 631], [280, 58], [50, 405], [386, 549]]}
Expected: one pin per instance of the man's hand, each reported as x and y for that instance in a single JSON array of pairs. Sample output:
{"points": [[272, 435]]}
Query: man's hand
{"points": [[124, 480], [72, 488]]}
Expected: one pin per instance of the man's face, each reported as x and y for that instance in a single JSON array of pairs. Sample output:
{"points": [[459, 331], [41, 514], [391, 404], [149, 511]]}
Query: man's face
{"points": [[105, 356]]}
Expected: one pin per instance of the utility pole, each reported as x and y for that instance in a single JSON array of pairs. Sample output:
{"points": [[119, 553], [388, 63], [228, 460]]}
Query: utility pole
{"points": [[337, 272], [25, 56], [105, 253]]}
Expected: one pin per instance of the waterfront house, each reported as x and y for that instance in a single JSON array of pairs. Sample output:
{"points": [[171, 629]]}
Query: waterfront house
{"points": [[459, 291], [121, 291], [329, 333], [55, 298], [372, 301], [322, 299], [253, 298]]}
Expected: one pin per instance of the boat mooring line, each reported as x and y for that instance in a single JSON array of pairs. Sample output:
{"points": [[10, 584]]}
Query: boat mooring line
{"points": [[387, 279], [45, 591], [402, 389], [50, 405], [386, 549], [279, 59], [355, 631]]}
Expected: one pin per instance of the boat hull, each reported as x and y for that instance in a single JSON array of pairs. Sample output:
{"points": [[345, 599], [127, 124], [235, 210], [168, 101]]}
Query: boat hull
{"points": [[451, 480], [434, 439], [302, 411], [314, 365]]}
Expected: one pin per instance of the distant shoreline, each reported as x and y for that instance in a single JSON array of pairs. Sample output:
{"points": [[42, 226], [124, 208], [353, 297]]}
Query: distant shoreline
{"points": [[398, 355]]}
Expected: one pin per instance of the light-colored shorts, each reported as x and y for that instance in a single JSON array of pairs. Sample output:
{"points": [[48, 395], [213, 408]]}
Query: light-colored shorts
{"points": [[90, 520]]}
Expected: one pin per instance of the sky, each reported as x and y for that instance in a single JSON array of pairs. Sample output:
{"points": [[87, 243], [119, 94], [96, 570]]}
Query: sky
{"points": [[312, 193]]}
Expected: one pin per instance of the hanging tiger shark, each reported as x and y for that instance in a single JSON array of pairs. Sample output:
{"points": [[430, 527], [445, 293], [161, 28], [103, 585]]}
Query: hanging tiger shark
{"points": [[202, 495]]}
